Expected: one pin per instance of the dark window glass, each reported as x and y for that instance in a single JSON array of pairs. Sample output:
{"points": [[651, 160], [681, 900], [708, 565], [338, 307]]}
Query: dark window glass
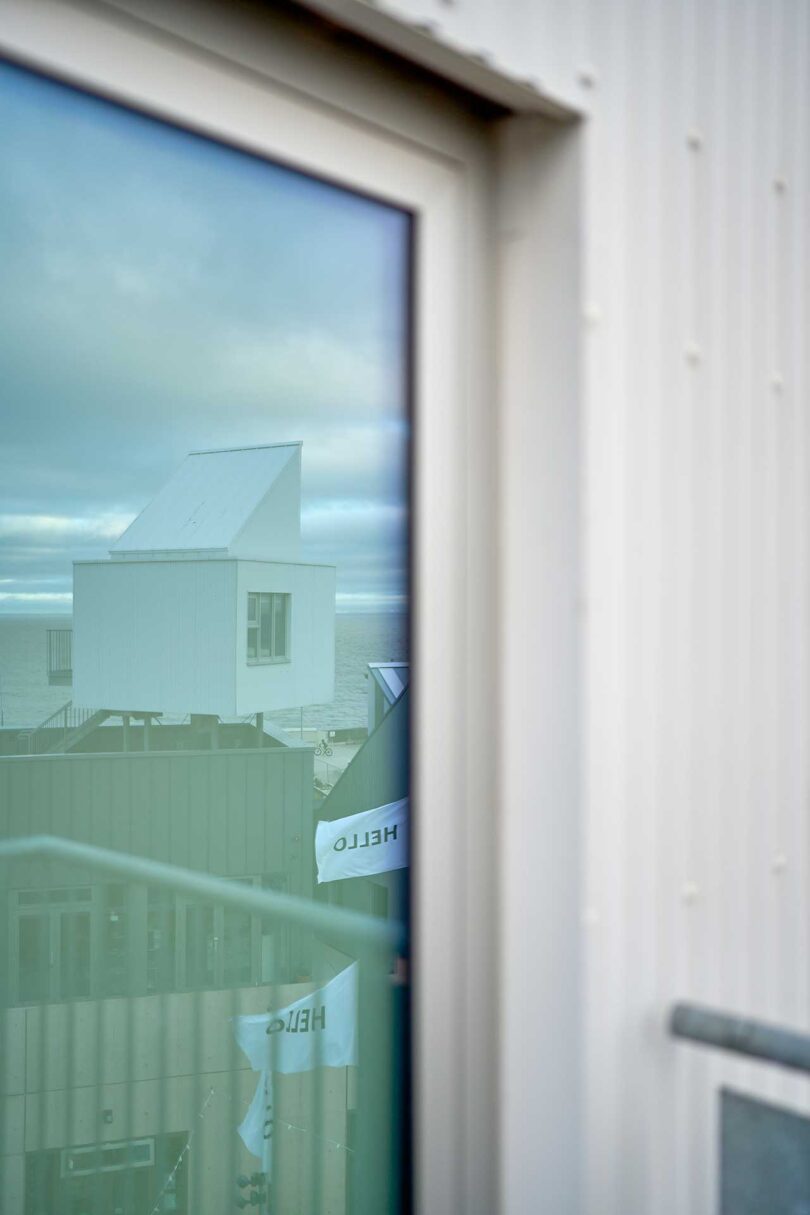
{"points": [[74, 954], [201, 946], [280, 606], [160, 941], [33, 944], [237, 947], [114, 942]]}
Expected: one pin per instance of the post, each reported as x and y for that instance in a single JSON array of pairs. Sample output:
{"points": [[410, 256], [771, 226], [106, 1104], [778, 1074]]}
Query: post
{"points": [[259, 729], [125, 725]]}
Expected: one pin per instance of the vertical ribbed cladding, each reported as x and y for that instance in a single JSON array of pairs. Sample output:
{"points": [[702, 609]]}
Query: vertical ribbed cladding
{"points": [[635, 140], [765, 524], [796, 245], [786, 860], [779, 539], [650, 221], [697, 915], [604, 660], [715, 255], [756, 649]]}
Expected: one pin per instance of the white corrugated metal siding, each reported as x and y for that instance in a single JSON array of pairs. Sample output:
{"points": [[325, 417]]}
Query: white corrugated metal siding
{"points": [[694, 305]]}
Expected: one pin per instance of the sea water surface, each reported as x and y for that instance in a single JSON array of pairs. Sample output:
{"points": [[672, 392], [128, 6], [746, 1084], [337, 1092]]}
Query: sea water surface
{"points": [[26, 698]]}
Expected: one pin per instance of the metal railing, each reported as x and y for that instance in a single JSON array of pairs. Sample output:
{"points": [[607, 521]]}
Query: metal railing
{"points": [[123, 1092], [54, 731], [741, 1036], [60, 656]]}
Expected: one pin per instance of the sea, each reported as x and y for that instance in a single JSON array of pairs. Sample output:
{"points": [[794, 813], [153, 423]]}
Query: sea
{"points": [[26, 698]]}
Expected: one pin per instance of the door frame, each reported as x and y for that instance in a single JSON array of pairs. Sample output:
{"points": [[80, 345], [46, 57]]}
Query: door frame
{"points": [[495, 469]]}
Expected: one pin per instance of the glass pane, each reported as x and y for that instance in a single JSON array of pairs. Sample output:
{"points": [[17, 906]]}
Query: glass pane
{"points": [[34, 949], [237, 947], [160, 941], [115, 944], [201, 947], [203, 652], [265, 626], [280, 625], [74, 954]]}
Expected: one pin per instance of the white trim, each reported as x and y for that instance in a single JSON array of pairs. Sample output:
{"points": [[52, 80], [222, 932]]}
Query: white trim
{"points": [[420, 41], [199, 65]]}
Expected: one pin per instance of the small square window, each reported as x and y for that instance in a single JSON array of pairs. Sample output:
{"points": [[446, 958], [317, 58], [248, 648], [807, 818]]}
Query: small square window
{"points": [[268, 626]]}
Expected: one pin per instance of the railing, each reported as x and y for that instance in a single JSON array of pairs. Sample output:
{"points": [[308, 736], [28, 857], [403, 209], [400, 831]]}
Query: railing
{"points": [[763, 1150], [741, 1036], [60, 656], [131, 1102], [54, 730]]}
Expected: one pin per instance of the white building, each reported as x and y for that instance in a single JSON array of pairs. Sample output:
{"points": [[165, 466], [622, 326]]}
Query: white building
{"points": [[203, 605]]}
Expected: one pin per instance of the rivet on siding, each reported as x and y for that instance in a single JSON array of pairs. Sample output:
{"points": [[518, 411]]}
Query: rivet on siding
{"points": [[592, 314], [692, 354], [777, 383], [694, 140], [780, 185], [690, 892], [779, 863], [482, 57], [587, 76], [427, 27]]}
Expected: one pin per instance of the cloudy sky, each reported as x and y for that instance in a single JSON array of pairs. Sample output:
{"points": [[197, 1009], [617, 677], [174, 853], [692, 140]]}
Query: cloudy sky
{"points": [[161, 294]]}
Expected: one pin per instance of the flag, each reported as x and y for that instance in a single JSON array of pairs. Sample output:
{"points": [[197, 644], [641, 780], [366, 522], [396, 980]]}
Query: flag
{"points": [[319, 1030], [374, 841], [256, 1129]]}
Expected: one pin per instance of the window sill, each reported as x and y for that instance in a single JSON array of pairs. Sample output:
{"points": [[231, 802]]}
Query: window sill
{"points": [[268, 662]]}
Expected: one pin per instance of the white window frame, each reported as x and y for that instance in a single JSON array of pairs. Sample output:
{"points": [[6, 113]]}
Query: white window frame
{"points": [[261, 659], [495, 521]]}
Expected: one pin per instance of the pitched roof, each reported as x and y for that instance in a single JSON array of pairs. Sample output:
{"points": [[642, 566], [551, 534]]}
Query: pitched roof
{"points": [[392, 678], [209, 501]]}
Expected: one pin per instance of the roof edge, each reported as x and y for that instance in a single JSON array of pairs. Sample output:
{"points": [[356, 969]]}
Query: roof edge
{"points": [[216, 451]]}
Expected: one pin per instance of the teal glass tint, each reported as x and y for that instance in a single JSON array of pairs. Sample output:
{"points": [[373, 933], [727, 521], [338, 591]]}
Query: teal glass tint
{"points": [[204, 622]]}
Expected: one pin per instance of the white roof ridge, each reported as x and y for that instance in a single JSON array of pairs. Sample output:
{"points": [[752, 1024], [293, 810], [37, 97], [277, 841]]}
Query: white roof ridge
{"points": [[215, 451]]}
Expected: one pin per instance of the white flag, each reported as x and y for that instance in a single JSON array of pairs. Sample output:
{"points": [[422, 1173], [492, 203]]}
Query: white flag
{"points": [[319, 1030], [256, 1130], [371, 842]]}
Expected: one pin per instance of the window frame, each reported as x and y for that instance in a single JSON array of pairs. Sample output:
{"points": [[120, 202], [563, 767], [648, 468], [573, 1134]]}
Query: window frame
{"points": [[496, 389], [271, 659], [194, 66]]}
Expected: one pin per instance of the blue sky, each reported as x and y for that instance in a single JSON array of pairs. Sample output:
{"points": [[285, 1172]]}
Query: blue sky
{"points": [[160, 294]]}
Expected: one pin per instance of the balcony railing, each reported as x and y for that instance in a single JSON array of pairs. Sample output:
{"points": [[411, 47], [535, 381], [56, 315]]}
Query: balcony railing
{"points": [[60, 657], [132, 1103]]}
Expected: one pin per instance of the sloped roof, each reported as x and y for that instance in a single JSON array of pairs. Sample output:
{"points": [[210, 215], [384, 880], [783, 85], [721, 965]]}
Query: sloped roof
{"points": [[207, 502], [392, 678]]}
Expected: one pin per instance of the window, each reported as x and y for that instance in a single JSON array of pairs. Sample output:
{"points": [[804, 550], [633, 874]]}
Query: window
{"points": [[355, 129], [194, 946], [268, 627], [88, 942], [51, 941]]}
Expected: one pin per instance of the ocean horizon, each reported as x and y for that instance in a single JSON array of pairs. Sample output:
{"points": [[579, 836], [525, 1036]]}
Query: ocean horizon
{"points": [[361, 637]]}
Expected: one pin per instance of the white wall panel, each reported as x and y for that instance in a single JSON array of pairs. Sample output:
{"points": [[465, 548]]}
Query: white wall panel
{"points": [[696, 207]]}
